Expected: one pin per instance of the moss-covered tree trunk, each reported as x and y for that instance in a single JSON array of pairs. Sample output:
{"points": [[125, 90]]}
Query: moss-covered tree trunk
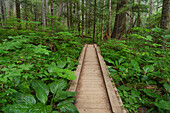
{"points": [[18, 13], [165, 14], [120, 20], [94, 24]]}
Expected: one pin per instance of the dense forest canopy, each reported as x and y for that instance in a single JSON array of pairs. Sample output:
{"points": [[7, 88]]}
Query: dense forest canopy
{"points": [[38, 37]]}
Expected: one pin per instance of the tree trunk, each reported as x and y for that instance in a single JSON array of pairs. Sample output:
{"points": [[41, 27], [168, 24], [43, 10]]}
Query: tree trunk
{"points": [[138, 17], [103, 20], [45, 6], [110, 9], [14, 8], [52, 14], [94, 25], [82, 17], [86, 19], [2, 12], [78, 16], [71, 16], [120, 21], [43, 13], [63, 11], [68, 17], [157, 5], [8, 8], [165, 14], [89, 24], [131, 15], [151, 9], [18, 13]]}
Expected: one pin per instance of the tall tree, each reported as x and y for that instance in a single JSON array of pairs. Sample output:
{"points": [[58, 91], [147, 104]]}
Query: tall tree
{"points": [[43, 11], [18, 13], [120, 20], [2, 11], [165, 14], [89, 17], [52, 14], [103, 20], [78, 16], [138, 17], [150, 9], [68, 17], [110, 9], [82, 9], [94, 25], [86, 19], [71, 16], [8, 4]]}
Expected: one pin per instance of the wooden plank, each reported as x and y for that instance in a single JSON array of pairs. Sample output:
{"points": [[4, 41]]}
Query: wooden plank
{"points": [[74, 83], [112, 92]]}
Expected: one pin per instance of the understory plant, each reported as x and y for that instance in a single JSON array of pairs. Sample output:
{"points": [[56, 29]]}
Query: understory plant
{"points": [[139, 66], [35, 72]]}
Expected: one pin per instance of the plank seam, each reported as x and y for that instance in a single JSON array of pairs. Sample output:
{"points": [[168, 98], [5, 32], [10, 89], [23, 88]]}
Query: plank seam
{"points": [[107, 81], [74, 83]]}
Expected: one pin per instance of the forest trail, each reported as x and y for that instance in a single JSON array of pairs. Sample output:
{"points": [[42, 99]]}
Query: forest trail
{"points": [[95, 93]]}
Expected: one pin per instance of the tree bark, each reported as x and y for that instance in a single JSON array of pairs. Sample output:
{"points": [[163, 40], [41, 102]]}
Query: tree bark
{"points": [[103, 20], [110, 9], [9, 8], [86, 19], [120, 21], [52, 14], [138, 17], [71, 15], [82, 8], [63, 11], [150, 10], [89, 16], [18, 13], [68, 17], [2, 12], [14, 8], [165, 14], [78, 16], [94, 25], [43, 13]]}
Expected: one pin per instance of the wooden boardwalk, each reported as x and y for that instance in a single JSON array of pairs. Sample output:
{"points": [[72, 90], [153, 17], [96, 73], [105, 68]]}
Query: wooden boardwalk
{"points": [[95, 93]]}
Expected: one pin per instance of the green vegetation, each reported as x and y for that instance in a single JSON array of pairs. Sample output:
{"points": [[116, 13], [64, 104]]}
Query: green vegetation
{"points": [[140, 69], [35, 72], [41, 40]]}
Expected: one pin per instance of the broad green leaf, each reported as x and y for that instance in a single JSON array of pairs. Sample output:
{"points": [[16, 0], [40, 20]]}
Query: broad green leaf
{"points": [[24, 98], [135, 64], [61, 64], [25, 66], [52, 67], [58, 85], [67, 107], [123, 87], [55, 112], [151, 93], [22, 108], [17, 108], [62, 95], [109, 61], [40, 108], [41, 90], [167, 87], [163, 104], [68, 74], [148, 68]]}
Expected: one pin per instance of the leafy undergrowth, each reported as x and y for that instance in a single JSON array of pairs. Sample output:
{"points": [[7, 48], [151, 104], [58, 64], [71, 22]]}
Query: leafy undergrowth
{"points": [[139, 67], [35, 72]]}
